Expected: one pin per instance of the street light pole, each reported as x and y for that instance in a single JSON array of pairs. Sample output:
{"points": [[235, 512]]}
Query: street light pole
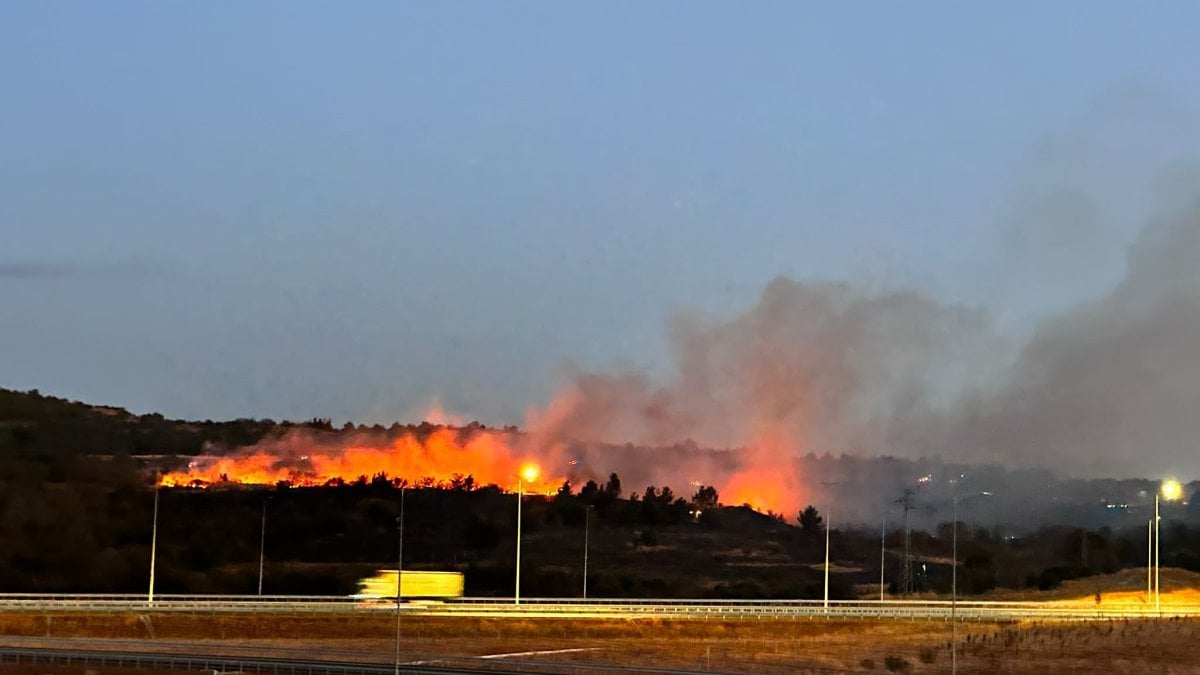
{"points": [[954, 590], [587, 517], [827, 528], [262, 545], [399, 576], [528, 473], [1170, 489], [882, 552], [1157, 560], [153, 542], [517, 586], [954, 582], [1149, 560]]}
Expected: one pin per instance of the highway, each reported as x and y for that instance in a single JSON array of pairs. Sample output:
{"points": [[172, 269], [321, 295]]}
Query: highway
{"points": [[197, 656], [573, 608]]}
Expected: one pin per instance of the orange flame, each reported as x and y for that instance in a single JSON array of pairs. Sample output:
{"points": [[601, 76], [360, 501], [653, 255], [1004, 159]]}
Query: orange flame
{"points": [[446, 456], [442, 459], [767, 479]]}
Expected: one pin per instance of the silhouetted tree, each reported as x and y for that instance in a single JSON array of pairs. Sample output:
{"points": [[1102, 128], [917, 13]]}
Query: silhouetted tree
{"points": [[705, 498], [590, 491], [810, 520], [613, 487]]}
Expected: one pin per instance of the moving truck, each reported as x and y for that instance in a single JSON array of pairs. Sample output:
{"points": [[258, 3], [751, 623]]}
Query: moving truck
{"points": [[414, 585]]}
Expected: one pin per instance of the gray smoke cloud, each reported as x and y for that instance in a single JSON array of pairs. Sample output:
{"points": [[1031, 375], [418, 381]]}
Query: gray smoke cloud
{"points": [[810, 368], [1106, 386], [830, 367], [1111, 387]]}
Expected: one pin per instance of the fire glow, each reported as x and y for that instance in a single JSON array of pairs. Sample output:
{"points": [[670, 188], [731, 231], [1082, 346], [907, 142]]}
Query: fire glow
{"points": [[444, 458], [469, 458]]}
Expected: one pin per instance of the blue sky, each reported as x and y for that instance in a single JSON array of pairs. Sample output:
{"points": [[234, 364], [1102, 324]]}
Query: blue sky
{"points": [[345, 210]]}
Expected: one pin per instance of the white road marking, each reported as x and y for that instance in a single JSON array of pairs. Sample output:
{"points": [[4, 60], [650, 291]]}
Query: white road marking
{"points": [[543, 652]]}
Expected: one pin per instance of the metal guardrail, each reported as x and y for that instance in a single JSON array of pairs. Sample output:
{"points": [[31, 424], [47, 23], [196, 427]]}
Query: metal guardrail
{"points": [[590, 608]]}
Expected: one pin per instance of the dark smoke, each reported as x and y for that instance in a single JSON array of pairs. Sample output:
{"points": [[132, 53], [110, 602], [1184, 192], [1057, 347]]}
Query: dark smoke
{"points": [[1111, 387]]}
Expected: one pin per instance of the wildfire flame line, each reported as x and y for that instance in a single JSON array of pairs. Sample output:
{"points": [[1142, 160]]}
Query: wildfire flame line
{"points": [[459, 458], [443, 458]]}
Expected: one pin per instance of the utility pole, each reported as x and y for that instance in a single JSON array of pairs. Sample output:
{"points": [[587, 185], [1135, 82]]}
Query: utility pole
{"points": [[906, 576]]}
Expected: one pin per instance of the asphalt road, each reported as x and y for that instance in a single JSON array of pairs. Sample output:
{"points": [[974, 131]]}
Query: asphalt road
{"points": [[190, 657]]}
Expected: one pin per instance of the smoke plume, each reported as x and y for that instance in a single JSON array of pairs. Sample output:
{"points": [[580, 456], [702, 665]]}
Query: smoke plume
{"points": [[811, 368], [1112, 386]]}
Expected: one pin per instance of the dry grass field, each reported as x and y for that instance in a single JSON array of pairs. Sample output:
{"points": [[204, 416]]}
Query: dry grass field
{"points": [[752, 646]]}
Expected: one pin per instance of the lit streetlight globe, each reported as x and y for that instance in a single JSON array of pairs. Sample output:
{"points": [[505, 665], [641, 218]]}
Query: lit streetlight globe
{"points": [[1172, 490], [529, 472]]}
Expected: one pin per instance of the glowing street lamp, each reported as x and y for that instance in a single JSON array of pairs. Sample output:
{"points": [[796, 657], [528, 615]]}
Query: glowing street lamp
{"points": [[1170, 490], [529, 473]]}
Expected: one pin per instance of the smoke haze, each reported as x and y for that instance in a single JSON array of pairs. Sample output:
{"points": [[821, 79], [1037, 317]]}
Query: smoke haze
{"points": [[1105, 386], [1112, 386]]}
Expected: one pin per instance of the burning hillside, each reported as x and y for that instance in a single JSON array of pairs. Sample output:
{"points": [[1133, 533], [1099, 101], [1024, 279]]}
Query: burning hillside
{"points": [[444, 458], [467, 458]]}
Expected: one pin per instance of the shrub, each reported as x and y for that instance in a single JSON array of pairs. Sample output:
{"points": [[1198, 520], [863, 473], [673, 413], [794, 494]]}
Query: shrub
{"points": [[896, 664]]}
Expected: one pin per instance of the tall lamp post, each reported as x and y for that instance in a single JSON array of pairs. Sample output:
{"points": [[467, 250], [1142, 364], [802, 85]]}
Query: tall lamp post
{"points": [[587, 518], [1149, 561], [882, 554], [154, 539], [262, 544], [399, 575], [528, 473], [1170, 491], [828, 527], [954, 579]]}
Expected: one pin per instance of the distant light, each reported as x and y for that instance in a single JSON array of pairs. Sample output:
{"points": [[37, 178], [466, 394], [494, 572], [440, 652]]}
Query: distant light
{"points": [[1172, 489]]}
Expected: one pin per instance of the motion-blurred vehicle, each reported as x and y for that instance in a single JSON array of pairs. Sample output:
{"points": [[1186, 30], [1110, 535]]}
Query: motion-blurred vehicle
{"points": [[414, 585]]}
